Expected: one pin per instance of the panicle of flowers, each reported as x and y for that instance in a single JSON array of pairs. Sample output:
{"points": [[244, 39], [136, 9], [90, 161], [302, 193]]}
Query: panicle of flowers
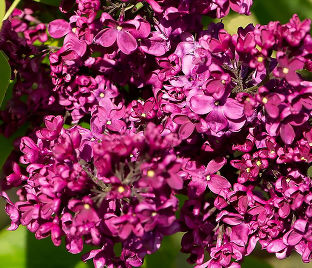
{"points": [[121, 44], [117, 189], [224, 120], [32, 95]]}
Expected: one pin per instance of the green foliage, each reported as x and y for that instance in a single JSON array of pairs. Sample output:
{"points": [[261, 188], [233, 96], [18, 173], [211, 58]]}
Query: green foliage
{"points": [[310, 172], [5, 75], [20, 249], [281, 10], [55, 3], [2, 11], [43, 253], [6, 144], [234, 21], [253, 262], [12, 248], [169, 255]]}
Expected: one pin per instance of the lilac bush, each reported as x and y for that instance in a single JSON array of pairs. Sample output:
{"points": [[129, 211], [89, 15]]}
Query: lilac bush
{"points": [[143, 105]]}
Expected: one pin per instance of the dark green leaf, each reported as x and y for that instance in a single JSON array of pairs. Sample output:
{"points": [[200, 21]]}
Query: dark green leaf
{"points": [[305, 74], [168, 255], [282, 10], [20, 249], [5, 75], [6, 144], [253, 262], [55, 3], [8, 95], [42, 253]]}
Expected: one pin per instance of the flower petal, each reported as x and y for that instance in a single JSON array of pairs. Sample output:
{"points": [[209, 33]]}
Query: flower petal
{"points": [[59, 28], [201, 104], [233, 109], [218, 183], [287, 133], [106, 37], [126, 42], [186, 130]]}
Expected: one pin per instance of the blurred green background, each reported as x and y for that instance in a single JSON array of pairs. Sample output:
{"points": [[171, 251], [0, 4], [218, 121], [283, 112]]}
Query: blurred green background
{"points": [[20, 249]]}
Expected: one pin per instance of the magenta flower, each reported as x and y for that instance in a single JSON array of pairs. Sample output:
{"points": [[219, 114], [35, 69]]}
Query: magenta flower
{"points": [[206, 177], [287, 69], [223, 113], [124, 33], [108, 116]]}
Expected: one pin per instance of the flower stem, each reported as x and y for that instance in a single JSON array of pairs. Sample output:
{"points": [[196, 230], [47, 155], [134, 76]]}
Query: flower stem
{"points": [[10, 10]]}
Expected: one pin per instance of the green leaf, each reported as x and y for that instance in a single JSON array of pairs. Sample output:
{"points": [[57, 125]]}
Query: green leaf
{"points": [[253, 262], [85, 125], [42, 253], [8, 95], [5, 75], [2, 11], [6, 144], [281, 10], [168, 255], [234, 21], [12, 248], [310, 172], [20, 249], [6, 147], [55, 3]]}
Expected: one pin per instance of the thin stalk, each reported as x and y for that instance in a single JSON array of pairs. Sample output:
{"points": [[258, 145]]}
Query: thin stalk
{"points": [[10, 10]]}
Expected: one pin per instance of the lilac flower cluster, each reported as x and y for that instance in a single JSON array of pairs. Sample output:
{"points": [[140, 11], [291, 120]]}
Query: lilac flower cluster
{"points": [[32, 96], [127, 194], [174, 110]]}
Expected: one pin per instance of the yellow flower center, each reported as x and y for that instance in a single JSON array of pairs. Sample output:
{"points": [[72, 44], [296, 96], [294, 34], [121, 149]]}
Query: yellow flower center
{"points": [[265, 100], [248, 170], [121, 189], [260, 59], [150, 173], [154, 214], [119, 28], [102, 95], [109, 122], [258, 163], [86, 206], [285, 70], [143, 115]]}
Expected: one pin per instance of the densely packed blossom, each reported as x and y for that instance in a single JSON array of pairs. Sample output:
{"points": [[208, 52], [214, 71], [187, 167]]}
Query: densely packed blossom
{"points": [[32, 95], [159, 107]]}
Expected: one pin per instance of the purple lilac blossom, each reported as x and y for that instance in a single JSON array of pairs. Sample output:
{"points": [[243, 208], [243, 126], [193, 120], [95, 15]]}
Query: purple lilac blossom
{"points": [[171, 109]]}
